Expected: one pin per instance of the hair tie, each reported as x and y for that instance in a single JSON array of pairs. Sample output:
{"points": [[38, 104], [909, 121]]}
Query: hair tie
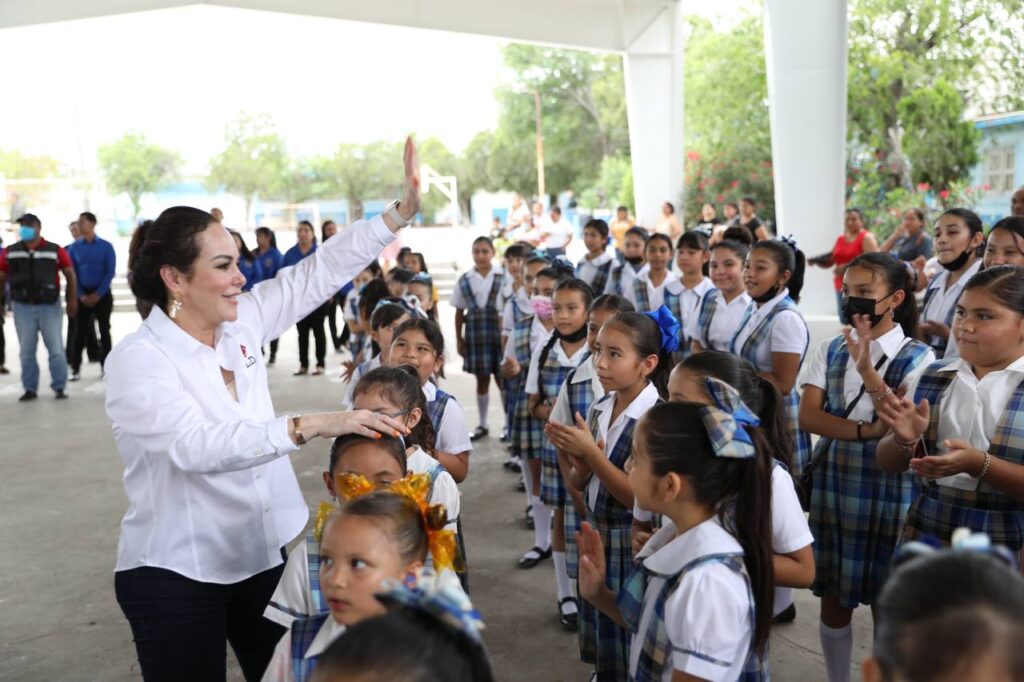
{"points": [[410, 305], [790, 241], [414, 487], [439, 596], [726, 420], [422, 278], [563, 264], [962, 540], [669, 327]]}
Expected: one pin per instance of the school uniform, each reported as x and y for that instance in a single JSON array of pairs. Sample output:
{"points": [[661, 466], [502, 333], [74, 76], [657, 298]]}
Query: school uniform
{"points": [[481, 298], [857, 510], [603, 274], [777, 327], [551, 376], [349, 400], [449, 420], [940, 306], [350, 311], [717, 320], [296, 655], [644, 295], [988, 413], [685, 305], [527, 431], [689, 605], [517, 306], [578, 392], [602, 641]]}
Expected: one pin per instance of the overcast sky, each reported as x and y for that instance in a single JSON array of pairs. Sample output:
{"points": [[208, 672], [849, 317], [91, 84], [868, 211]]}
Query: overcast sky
{"points": [[179, 75]]}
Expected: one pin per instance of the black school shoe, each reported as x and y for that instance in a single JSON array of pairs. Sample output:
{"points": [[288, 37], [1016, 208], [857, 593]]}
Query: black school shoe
{"points": [[60, 395], [480, 432], [569, 621], [787, 615], [528, 561], [27, 396]]}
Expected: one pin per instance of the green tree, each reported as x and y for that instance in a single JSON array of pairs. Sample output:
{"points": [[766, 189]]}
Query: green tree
{"points": [[135, 167], [583, 114], [15, 165], [473, 175], [726, 129], [254, 161], [939, 143], [359, 172], [901, 49]]}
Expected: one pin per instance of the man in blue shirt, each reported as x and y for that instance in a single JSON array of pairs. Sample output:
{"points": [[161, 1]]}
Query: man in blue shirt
{"points": [[94, 262]]}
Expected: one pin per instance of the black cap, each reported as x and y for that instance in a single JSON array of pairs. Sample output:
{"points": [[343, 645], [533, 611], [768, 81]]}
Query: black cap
{"points": [[29, 220]]}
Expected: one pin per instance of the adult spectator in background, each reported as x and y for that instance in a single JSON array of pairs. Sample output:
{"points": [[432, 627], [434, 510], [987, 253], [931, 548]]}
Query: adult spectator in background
{"points": [[248, 263], [668, 222], [314, 321], [749, 219], [1017, 203], [95, 263], [518, 220], [17, 208], [328, 230], [910, 240], [217, 214], [732, 215], [555, 233], [270, 262], [855, 240], [92, 345], [709, 222], [618, 227], [33, 267]]}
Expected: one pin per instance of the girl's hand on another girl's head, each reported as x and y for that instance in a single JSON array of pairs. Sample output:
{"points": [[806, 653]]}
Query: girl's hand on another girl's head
{"points": [[961, 458], [907, 421]]}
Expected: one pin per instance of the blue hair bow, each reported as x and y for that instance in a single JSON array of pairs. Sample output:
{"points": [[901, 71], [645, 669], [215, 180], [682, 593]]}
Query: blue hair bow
{"points": [[563, 264], [962, 540], [669, 326], [423, 278], [790, 241], [441, 597], [726, 420]]}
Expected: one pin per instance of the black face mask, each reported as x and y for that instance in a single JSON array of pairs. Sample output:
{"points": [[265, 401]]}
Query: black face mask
{"points": [[576, 336], [960, 260], [635, 260], [857, 305], [766, 296]]}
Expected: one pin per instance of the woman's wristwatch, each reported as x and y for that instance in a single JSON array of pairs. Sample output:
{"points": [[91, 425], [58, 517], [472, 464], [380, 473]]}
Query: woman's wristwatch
{"points": [[396, 217]]}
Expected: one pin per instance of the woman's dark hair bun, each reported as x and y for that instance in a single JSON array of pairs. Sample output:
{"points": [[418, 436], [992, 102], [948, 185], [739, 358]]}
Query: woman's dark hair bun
{"points": [[170, 240]]}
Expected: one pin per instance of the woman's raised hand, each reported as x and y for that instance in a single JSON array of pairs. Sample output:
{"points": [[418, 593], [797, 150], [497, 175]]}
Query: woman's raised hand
{"points": [[410, 204]]}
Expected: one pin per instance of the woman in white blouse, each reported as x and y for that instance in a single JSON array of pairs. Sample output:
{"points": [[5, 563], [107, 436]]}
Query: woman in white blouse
{"points": [[213, 498]]}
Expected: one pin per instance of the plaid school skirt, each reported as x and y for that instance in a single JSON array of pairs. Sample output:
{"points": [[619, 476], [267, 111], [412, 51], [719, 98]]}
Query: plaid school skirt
{"points": [[552, 486], [603, 642], [527, 431], [801, 440], [856, 514], [939, 510], [572, 554], [483, 342]]}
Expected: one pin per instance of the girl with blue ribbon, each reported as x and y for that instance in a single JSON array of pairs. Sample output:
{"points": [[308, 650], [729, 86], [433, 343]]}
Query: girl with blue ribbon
{"points": [[632, 358], [699, 602]]}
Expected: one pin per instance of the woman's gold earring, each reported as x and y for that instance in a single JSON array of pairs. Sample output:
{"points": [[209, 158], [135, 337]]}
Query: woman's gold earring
{"points": [[175, 307]]}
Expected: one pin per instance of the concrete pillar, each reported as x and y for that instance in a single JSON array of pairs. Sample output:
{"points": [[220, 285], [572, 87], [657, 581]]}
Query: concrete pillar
{"points": [[805, 51], [654, 104]]}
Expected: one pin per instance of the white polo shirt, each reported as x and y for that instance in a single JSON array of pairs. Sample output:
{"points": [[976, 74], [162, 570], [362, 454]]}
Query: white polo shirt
{"points": [[943, 300], [452, 436], [788, 333], [587, 270], [610, 432], [970, 409], [724, 323], [655, 294], [707, 616], [480, 285], [689, 300], [815, 370], [561, 412], [211, 495], [280, 668], [533, 375]]}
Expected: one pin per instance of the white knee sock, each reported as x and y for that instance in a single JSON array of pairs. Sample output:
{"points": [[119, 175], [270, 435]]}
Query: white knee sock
{"points": [[541, 523], [562, 583], [528, 482], [482, 402], [837, 645]]}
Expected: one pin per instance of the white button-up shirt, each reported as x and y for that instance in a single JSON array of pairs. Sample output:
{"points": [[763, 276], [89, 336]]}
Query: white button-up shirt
{"points": [[211, 495], [943, 300]]}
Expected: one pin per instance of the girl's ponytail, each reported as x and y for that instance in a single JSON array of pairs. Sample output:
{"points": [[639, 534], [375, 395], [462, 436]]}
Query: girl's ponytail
{"points": [[753, 519]]}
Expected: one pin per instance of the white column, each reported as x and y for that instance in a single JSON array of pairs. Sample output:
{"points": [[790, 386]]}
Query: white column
{"points": [[653, 66], [805, 51]]}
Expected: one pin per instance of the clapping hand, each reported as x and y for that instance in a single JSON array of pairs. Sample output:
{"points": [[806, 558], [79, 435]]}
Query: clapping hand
{"points": [[961, 458], [592, 570]]}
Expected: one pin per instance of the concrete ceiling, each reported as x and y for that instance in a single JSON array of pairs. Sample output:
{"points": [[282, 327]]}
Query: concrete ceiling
{"points": [[612, 25]]}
